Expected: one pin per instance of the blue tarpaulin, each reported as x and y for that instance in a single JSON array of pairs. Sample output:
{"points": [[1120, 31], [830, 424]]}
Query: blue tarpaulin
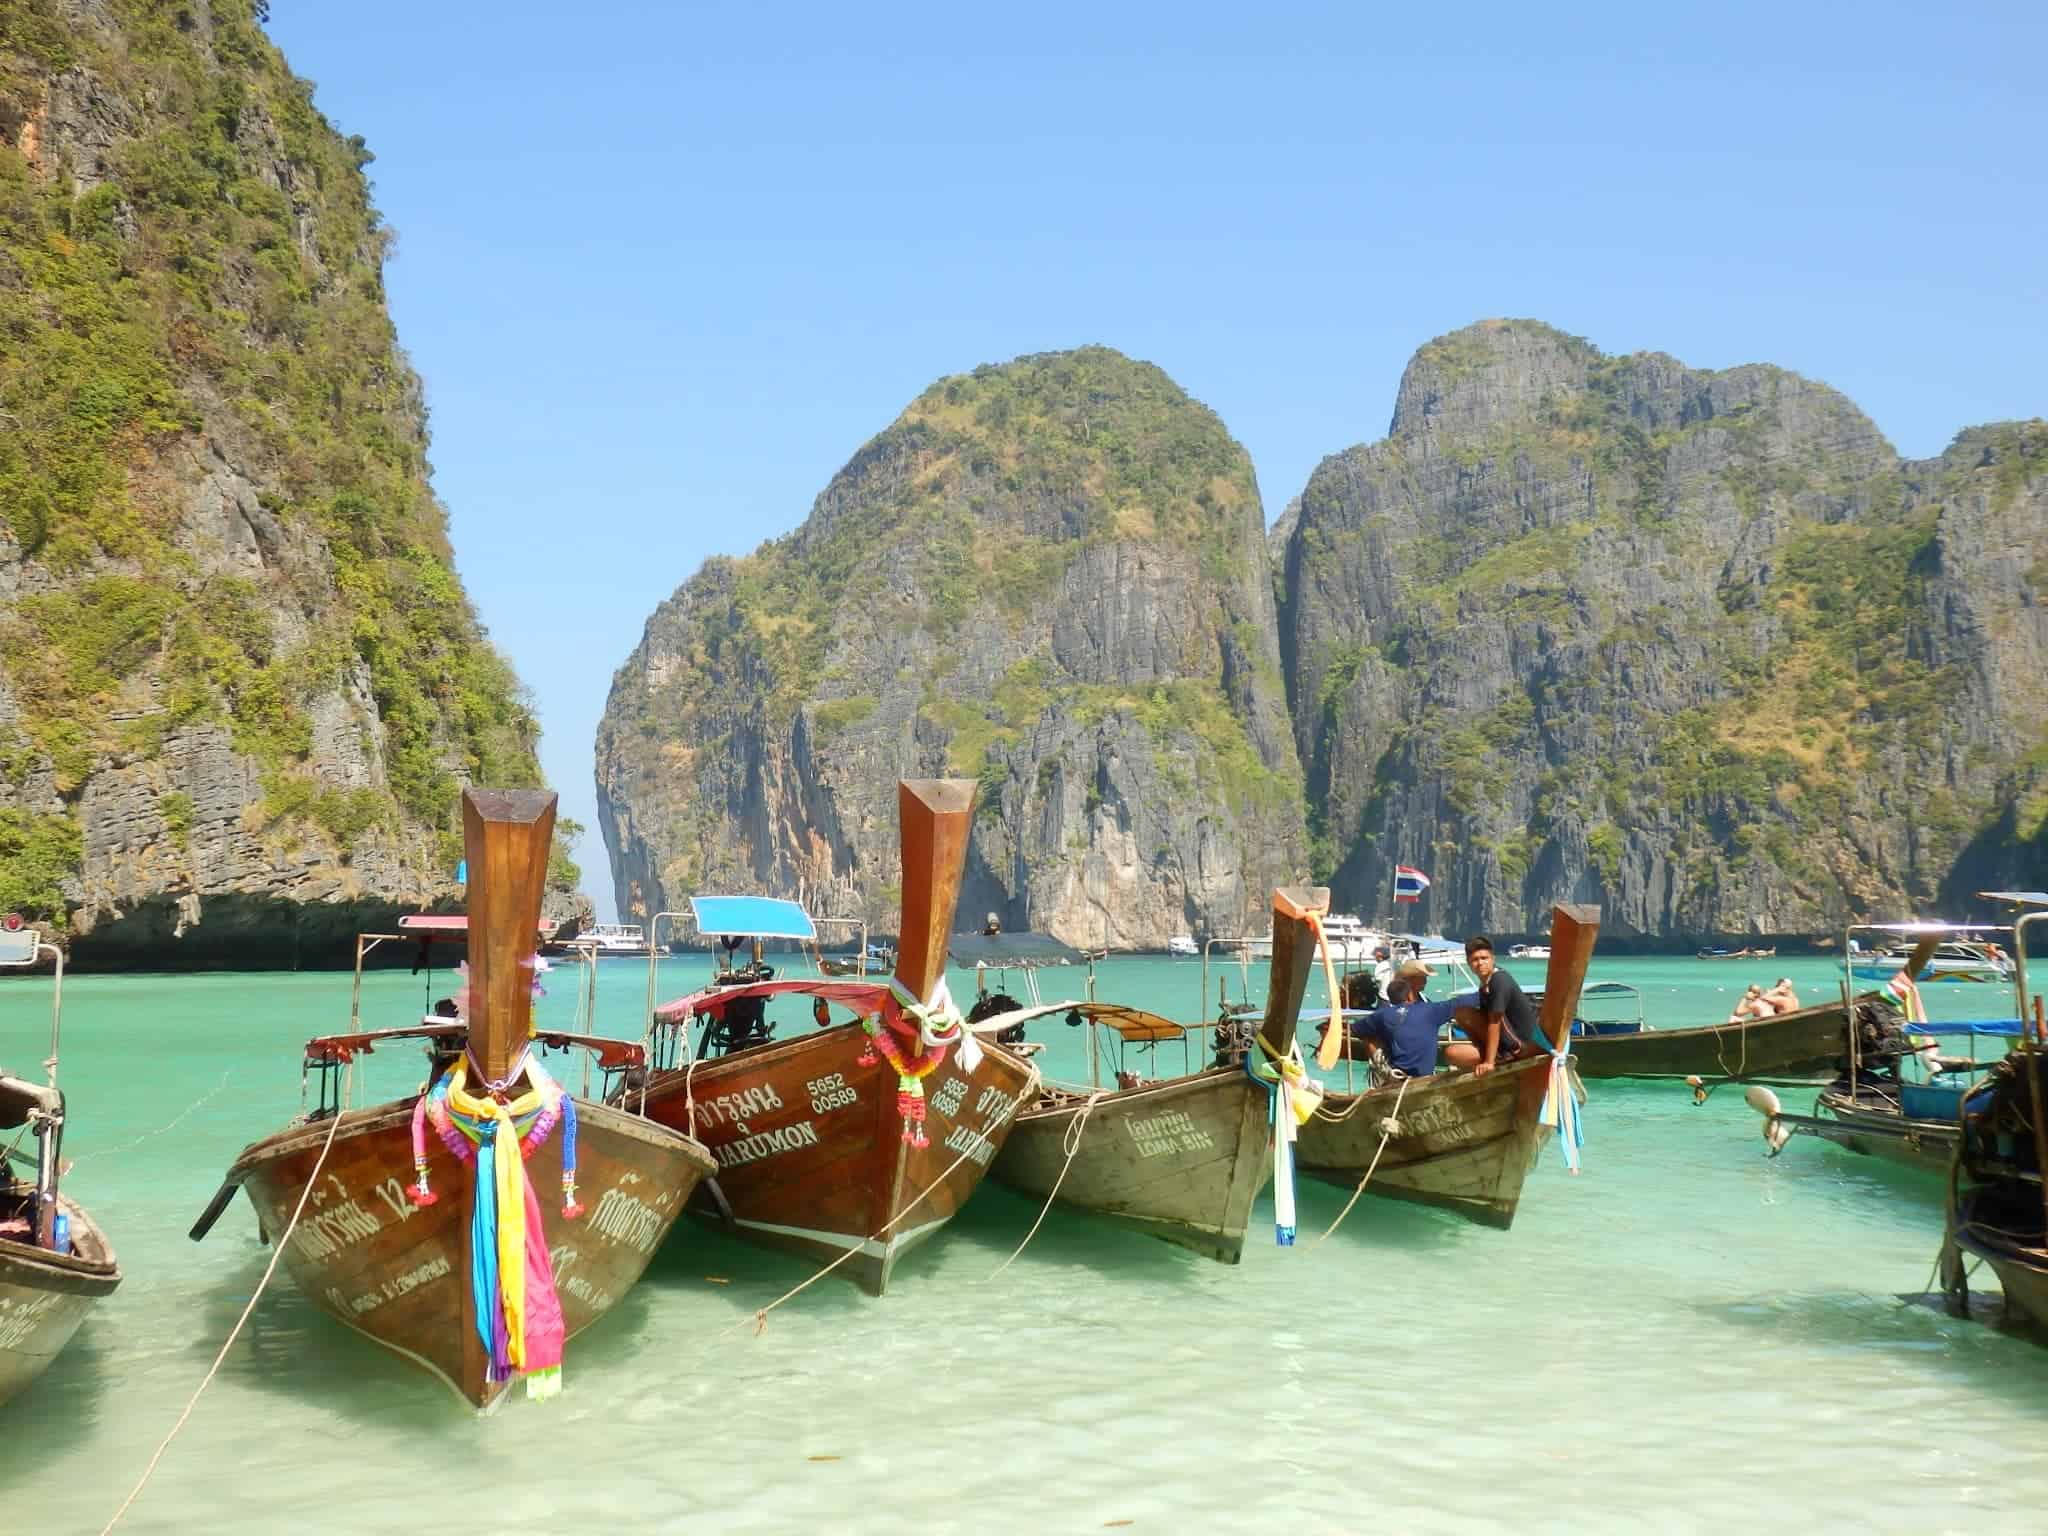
{"points": [[753, 917]]}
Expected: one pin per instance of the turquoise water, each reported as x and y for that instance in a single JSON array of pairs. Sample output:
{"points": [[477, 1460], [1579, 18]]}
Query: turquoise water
{"points": [[1685, 1337]]}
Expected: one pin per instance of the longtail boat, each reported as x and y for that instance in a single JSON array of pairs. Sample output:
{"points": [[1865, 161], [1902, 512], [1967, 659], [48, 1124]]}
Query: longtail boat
{"points": [[1180, 1158], [1805, 1044], [1998, 1185], [54, 1262], [855, 1142], [451, 1227], [1894, 1095], [1457, 1140]]}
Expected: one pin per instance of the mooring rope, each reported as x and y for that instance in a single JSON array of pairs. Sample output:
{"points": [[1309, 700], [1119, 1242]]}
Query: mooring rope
{"points": [[1388, 1127], [1073, 1145], [130, 1146], [760, 1317], [276, 1253]]}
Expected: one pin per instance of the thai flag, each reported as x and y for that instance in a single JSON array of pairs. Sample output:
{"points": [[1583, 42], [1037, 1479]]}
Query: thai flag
{"points": [[1409, 884]]}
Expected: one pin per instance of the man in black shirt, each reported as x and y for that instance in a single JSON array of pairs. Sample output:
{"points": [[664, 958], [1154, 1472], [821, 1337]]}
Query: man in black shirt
{"points": [[1502, 1002]]}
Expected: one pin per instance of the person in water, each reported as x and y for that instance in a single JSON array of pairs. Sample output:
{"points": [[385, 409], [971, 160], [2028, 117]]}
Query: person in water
{"points": [[1505, 1015], [1781, 996], [1406, 1028]]}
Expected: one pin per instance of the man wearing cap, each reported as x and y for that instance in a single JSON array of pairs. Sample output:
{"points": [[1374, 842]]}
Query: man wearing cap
{"points": [[1407, 1026]]}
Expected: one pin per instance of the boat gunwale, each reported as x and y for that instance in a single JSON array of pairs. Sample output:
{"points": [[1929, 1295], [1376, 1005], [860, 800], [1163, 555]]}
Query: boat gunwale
{"points": [[71, 1273]]}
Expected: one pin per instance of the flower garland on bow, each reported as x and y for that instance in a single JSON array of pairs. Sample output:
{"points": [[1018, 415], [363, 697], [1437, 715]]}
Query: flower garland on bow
{"points": [[512, 1279], [914, 1037]]}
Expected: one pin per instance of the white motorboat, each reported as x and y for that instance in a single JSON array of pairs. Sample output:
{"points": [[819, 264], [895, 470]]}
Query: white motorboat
{"points": [[1528, 951], [1183, 945], [615, 939], [1955, 960]]}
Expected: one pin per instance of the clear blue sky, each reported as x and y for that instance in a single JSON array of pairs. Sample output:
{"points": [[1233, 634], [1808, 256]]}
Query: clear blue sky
{"points": [[665, 267]]}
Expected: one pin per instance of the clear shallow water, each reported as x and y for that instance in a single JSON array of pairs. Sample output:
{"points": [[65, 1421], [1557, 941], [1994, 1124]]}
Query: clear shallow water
{"points": [[1686, 1336]]}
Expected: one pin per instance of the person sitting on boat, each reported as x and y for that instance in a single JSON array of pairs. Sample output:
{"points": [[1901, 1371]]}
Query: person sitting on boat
{"points": [[1504, 1014], [1383, 968], [1405, 1030], [1754, 1005], [1781, 997]]}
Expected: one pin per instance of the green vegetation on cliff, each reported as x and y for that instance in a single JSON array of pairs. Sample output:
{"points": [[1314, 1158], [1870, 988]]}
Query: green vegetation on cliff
{"points": [[220, 285], [1046, 575]]}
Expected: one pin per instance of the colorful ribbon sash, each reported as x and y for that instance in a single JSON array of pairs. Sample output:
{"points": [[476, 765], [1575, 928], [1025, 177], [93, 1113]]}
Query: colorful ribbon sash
{"points": [[1561, 1105], [1293, 1096], [512, 1279]]}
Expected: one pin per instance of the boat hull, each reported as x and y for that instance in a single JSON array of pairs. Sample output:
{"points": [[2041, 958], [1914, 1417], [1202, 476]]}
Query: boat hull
{"points": [[1806, 1044], [1463, 1143], [1929, 1145], [1180, 1160], [2022, 1275], [399, 1273], [810, 1149], [44, 1296]]}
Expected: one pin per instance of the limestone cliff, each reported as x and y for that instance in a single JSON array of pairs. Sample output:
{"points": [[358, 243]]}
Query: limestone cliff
{"points": [[1050, 576], [240, 682], [1699, 646]]}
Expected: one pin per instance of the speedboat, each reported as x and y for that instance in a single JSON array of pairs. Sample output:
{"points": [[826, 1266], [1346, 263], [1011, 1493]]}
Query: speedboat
{"points": [[1528, 951], [1956, 960], [1183, 945]]}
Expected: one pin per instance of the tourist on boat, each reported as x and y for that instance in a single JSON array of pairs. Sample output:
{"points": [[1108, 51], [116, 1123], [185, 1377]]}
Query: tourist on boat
{"points": [[1383, 967], [1505, 1015], [1754, 1005], [1405, 1032]]}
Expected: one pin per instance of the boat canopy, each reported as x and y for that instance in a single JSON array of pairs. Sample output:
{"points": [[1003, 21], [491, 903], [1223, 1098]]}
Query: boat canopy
{"points": [[1130, 1023], [1020, 949], [2016, 898], [751, 917], [18, 946]]}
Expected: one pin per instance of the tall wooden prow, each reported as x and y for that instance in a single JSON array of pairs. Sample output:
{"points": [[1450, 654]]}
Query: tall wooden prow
{"points": [[1294, 956], [507, 835], [935, 816], [1573, 931]]}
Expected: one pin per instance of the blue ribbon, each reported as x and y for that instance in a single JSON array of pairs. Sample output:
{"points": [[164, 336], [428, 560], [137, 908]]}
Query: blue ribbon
{"points": [[483, 1241], [1283, 1234], [1571, 1131]]}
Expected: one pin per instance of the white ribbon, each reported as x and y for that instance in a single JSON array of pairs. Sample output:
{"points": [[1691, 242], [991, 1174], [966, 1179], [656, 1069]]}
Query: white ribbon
{"points": [[939, 1022]]}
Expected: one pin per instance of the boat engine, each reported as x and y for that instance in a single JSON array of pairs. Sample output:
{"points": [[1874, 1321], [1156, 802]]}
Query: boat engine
{"points": [[988, 1005]]}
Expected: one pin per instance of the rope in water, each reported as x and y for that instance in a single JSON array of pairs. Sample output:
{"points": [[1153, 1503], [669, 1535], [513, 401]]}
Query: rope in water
{"points": [[276, 1253], [130, 1146], [1073, 1145], [760, 1317], [1387, 1128]]}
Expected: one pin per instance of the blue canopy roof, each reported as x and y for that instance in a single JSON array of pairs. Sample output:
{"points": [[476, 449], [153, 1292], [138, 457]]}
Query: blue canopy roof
{"points": [[753, 917]]}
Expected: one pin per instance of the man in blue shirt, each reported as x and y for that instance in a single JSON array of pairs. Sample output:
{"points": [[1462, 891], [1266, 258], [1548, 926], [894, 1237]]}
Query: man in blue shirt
{"points": [[1407, 1026]]}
